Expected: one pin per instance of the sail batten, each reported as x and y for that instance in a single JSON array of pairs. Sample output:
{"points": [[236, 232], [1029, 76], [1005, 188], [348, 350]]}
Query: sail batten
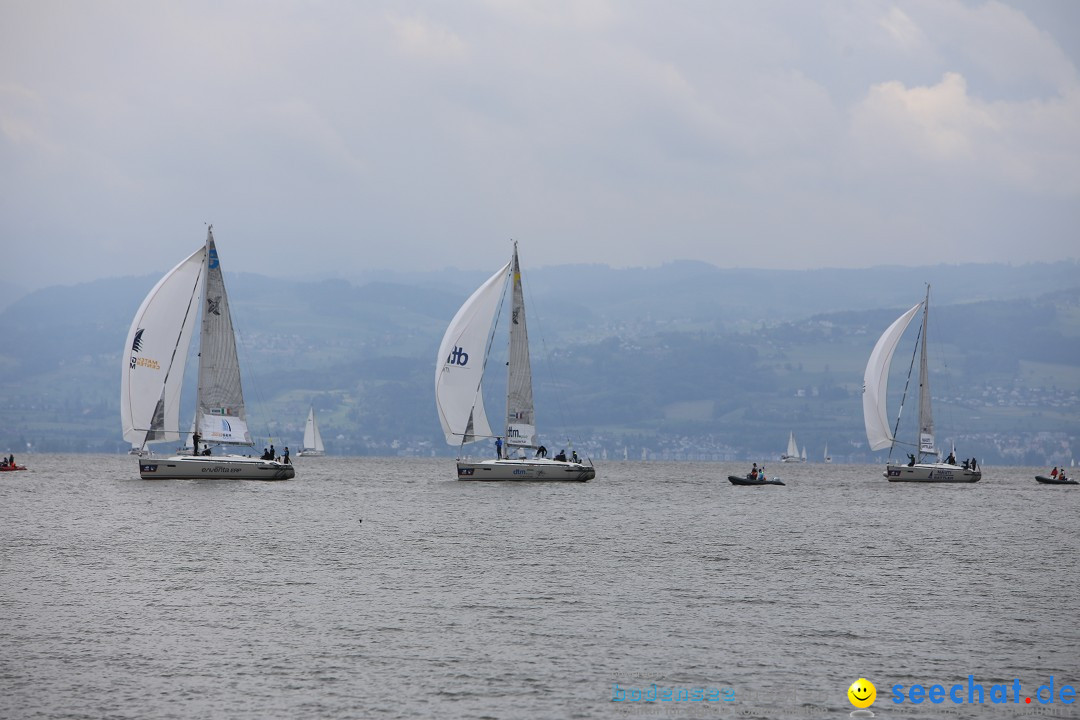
{"points": [[876, 381]]}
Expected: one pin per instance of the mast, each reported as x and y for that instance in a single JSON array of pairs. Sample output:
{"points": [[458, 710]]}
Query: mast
{"points": [[196, 424], [926, 418], [520, 416]]}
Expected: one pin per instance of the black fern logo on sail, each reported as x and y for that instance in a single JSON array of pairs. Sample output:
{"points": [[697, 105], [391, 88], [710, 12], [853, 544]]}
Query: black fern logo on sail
{"points": [[136, 345], [213, 305]]}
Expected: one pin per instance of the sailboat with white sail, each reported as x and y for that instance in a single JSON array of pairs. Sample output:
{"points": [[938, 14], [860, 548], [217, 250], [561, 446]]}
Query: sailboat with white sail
{"points": [[878, 431], [459, 372], [155, 355], [792, 454], [313, 444]]}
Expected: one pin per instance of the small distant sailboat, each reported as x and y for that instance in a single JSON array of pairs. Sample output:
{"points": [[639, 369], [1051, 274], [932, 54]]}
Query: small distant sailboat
{"points": [[459, 371], [313, 444], [153, 370], [878, 432], [792, 455], [828, 458]]}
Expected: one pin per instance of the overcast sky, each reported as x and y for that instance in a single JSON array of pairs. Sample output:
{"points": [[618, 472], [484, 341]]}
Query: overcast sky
{"points": [[329, 138]]}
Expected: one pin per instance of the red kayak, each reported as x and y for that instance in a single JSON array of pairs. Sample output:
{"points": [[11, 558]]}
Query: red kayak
{"points": [[9, 468]]}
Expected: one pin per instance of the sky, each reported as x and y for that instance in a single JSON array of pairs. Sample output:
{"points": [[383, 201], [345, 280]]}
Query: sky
{"points": [[334, 138]]}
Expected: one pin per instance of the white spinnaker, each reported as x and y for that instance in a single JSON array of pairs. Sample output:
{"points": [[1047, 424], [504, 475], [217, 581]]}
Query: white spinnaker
{"points": [[155, 354], [876, 382], [459, 366]]}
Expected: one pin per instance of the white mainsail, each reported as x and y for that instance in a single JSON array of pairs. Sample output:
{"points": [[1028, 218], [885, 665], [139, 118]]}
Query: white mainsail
{"points": [[157, 348], [926, 418], [792, 447], [520, 414], [312, 438], [459, 366], [876, 382], [221, 415]]}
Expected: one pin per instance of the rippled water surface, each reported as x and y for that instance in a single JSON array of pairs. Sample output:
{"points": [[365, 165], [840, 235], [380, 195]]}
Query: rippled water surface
{"points": [[382, 588]]}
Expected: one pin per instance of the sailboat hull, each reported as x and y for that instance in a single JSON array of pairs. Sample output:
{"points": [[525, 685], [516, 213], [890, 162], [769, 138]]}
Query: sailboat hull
{"points": [[931, 473], [310, 453], [211, 467], [536, 469]]}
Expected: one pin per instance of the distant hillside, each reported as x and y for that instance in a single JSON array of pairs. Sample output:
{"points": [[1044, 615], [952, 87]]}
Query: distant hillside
{"points": [[685, 360]]}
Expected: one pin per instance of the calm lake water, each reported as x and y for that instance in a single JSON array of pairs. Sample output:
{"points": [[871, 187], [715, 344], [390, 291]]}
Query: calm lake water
{"points": [[383, 588]]}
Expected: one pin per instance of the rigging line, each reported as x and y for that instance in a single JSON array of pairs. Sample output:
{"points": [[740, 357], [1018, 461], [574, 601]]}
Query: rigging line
{"points": [[944, 409], [903, 397], [172, 358], [252, 379], [563, 414]]}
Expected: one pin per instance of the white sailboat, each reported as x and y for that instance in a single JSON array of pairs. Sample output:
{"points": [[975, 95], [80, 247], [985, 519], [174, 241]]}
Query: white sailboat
{"points": [[313, 444], [792, 455], [154, 358], [878, 432], [459, 371], [828, 457]]}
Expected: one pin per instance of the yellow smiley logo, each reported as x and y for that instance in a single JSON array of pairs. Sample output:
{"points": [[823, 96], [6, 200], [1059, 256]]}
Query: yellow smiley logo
{"points": [[862, 693]]}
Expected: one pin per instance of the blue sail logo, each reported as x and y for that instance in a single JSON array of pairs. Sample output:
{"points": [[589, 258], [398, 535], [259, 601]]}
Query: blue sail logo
{"points": [[458, 357]]}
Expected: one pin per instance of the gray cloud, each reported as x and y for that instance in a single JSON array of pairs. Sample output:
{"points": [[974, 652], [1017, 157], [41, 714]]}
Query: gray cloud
{"points": [[335, 137]]}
